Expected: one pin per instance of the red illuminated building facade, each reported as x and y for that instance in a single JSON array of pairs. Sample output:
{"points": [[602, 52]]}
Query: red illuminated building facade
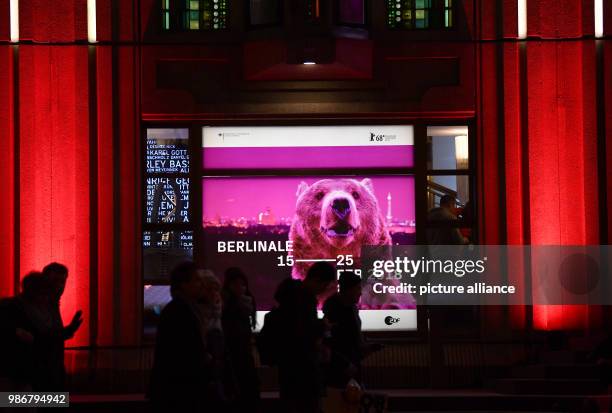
{"points": [[73, 112]]}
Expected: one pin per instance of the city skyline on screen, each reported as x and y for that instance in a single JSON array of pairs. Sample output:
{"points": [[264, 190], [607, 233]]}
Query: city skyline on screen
{"points": [[272, 200]]}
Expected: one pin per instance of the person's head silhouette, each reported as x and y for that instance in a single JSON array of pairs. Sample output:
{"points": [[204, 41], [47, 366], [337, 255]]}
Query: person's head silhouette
{"points": [[447, 201], [320, 277], [236, 282], [35, 288], [57, 274], [186, 281]]}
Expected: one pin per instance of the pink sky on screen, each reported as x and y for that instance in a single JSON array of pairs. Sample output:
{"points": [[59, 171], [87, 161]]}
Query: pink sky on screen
{"points": [[246, 197]]}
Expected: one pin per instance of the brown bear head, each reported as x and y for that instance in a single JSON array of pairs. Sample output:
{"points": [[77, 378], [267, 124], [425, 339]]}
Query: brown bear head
{"points": [[339, 212]]}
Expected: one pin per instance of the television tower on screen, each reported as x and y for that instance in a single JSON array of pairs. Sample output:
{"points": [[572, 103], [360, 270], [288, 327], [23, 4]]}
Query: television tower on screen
{"points": [[389, 216]]}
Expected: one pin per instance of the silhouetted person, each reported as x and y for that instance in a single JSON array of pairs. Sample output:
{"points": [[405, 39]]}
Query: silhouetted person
{"points": [[57, 275], [302, 350], [24, 331], [466, 218], [220, 386], [444, 230], [179, 378], [348, 348], [239, 320]]}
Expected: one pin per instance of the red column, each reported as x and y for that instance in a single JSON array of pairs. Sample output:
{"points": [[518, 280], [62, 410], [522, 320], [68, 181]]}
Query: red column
{"points": [[550, 136], [130, 297], [7, 168], [608, 123], [562, 158], [54, 168], [106, 197]]}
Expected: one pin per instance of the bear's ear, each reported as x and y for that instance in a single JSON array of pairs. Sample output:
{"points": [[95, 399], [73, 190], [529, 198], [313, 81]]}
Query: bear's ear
{"points": [[367, 183], [302, 187]]}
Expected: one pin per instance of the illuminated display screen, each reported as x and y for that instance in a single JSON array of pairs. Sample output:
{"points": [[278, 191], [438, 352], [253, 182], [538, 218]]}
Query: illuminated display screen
{"points": [[167, 200], [162, 250], [167, 151], [276, 224], [263, 211], [258, 213], [308, 147]]}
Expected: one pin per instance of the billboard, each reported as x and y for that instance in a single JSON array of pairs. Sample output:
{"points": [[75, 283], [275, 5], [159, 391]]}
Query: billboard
{"points": [[263, 211]]}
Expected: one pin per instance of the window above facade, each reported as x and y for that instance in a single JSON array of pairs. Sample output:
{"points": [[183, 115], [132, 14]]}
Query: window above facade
{"points": [[166, 14], [210, 15], [419, 14], [192, 15], [448, 13], [408, 14]]}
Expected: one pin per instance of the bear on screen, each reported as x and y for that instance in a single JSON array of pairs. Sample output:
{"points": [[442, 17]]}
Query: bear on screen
{"points": [[337, 217]]}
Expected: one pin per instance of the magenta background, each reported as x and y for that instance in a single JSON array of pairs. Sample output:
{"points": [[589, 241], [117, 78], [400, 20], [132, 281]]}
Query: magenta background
{"points": [[246, 197], [396, 156]]}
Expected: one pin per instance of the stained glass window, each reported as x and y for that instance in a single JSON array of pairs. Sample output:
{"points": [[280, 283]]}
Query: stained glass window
{"points": [[408, 14]]}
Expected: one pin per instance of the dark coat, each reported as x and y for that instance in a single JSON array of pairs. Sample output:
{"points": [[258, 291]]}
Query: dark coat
{"points": [[180, 375], [346, 339], [40, 363], [238, 339], [17, 360], [300, 370]]}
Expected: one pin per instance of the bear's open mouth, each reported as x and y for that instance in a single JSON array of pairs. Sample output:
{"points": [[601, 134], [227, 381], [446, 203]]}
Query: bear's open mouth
{"points": [[339, 229]]}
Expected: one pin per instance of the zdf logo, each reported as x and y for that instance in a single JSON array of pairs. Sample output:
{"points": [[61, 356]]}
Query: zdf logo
{"points": [[391, 320]]}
